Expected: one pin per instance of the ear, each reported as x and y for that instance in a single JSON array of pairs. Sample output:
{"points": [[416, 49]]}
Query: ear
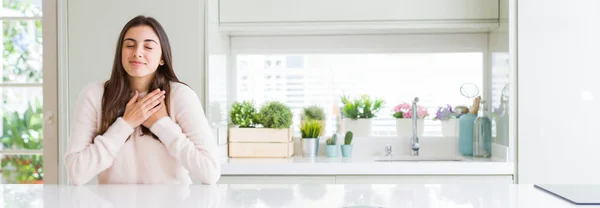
{"points": [[161, 62]]}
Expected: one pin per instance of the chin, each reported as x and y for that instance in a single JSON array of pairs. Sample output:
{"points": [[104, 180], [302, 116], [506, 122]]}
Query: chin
{"points": [[139, 72]]}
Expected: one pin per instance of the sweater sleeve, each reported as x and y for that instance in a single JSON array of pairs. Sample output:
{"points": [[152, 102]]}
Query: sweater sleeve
{"points": [[189, 137], [88, 154]]}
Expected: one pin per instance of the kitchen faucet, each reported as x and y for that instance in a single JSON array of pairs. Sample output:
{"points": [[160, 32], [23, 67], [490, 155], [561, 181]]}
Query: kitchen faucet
{"points": [[414, 140]]}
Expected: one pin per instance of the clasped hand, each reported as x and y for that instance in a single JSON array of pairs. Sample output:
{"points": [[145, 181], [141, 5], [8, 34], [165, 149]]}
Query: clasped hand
{"points": [[147, 110]]}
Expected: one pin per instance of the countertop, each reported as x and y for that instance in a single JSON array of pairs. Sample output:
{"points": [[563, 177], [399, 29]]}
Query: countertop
{"points": [[267, 196], [299, 165]]}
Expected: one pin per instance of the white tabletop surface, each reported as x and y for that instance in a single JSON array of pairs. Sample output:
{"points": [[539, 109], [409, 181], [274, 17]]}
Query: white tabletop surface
{"points": [[240, 196], [299, 165]]}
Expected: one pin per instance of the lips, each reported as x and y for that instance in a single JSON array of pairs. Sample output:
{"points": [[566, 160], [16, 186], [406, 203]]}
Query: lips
{"points": [[137, 63]]}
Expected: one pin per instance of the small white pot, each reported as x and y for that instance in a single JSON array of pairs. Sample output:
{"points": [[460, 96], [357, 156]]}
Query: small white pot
{"points": [[360, 127], [450, 127], [404, 126]]}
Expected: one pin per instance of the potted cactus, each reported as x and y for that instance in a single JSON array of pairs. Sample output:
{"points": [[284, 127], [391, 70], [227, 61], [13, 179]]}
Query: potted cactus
{"points": [[331, 147], [314, 112], [347, 146], [359, 113], [310, 131]]}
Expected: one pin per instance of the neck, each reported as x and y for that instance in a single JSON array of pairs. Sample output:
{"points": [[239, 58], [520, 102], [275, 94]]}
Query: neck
{"points": [[141, 84]]}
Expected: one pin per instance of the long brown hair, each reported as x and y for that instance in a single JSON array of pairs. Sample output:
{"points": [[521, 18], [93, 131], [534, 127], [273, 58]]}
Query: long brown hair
{"points": [[117, 90]]}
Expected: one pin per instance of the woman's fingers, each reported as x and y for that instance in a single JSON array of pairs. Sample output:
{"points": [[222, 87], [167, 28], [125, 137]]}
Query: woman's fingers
{"points": [[151, 95], [153, 110], [149, 105]]}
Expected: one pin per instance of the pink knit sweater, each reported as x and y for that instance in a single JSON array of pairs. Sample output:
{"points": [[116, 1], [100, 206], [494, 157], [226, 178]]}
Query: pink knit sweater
{"points": [[188, 144]]}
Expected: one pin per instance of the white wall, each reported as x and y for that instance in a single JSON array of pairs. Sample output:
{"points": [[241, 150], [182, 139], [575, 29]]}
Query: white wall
{"points": [[94, 27], [217, 63], [93, 30], [558, 46]]}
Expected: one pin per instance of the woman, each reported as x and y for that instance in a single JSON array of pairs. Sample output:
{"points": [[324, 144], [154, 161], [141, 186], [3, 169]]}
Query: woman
{"points": [[142, 125]]}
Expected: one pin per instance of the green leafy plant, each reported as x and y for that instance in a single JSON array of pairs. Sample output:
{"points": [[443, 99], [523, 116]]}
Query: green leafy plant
{"points": [[313, 113], [311, 129], [22, 41], [332, 140], [23, 132], [275, 114], [243, 114], [363, 107], [348, 138]]}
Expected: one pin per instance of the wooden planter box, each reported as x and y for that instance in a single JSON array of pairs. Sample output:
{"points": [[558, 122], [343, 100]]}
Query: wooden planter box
{"points": [[260, 135], [261, 150], [260, 143]]}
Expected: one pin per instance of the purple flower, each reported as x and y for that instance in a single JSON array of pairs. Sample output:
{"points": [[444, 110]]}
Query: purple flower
{"points": [[21, 41], [444, 113]]}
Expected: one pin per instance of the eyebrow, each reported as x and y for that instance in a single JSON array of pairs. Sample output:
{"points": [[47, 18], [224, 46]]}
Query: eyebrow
{"points": [[147, 40]]}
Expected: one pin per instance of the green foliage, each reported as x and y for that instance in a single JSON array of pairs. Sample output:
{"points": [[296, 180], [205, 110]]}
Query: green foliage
{"points": [[243, 114], [348, 138], [332, 140], [27, 168], [363, 107], [311, 129], [275, 114], [22, 54], [23, 132], [313, 113]]}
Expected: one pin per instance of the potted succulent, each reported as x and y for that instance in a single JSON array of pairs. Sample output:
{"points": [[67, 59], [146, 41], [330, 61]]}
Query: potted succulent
{"points": [[448, 119], [331, 148], [347, 146], [403, 114], [23, 132], [266, 133], [358, 113], [314, 112], [310, 131]]}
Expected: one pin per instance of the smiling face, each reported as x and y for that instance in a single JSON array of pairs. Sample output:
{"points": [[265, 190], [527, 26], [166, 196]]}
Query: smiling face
{"points": [[141, 53]]}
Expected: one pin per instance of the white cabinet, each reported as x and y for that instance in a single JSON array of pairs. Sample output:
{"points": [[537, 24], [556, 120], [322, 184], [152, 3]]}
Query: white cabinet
{"points": [[424, 179], [369, 179], [277, 11], [277, 180]]}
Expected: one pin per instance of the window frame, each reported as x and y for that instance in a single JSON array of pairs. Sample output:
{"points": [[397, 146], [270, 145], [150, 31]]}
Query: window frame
{"points": [[49, 85]]}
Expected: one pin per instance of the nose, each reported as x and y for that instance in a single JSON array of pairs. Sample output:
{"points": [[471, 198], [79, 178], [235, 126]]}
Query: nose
{"points": [[138, 52]]}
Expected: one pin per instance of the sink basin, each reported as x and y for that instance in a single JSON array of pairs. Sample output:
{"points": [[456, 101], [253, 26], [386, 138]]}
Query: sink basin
{"points": [[419, 158]]}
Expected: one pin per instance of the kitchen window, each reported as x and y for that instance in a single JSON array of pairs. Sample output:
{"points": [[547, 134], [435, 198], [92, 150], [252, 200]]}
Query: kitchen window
{"points": [[317, 70]]}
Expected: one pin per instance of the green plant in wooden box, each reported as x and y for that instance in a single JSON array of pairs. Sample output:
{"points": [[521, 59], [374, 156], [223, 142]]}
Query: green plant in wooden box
{"points": [[243, 114], [272, 138], [275, 114]]}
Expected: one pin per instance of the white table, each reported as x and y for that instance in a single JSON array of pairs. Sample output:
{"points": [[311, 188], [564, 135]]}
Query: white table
{"points": [[240, 196]]}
